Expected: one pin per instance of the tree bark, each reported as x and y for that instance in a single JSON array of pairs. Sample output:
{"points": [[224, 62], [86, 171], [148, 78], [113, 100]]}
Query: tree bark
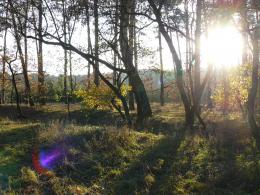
{"points": [[4, 66], [96, 68], [65, 83], [197, 85], [116, 41], [21, 55], [89, 39], [252, 94], [131, 48], [19, 111], [41, 91], [143, 106], [189, 114], [161, 70]]}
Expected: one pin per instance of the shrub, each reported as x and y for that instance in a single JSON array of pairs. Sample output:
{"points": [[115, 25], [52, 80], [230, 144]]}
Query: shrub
{"points": [[233, 92], [100, 97]]}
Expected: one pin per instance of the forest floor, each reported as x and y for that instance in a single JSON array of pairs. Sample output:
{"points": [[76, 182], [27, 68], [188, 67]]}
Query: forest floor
{"points": [[104, 157]]}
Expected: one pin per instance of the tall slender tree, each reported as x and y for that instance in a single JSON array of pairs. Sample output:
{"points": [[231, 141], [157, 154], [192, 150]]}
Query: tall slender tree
{"points": [[4, 64], [96, 20], [143, 105], [131, 48], [161, 69], [116, 40], [253, 90], [65, 76], [41, 91], [21, 55]]}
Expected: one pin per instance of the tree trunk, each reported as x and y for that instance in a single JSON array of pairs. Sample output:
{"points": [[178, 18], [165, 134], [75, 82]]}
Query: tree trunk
{"points": [[4, 66], [116, 42], [131, 48], [71, 79], [252, 95], [26, 43], [189, 117], [25, 73], [89, 39], [65, 85], [96, 68], [197, 85], [161, 70], [19, 111], [244, 34], [41, 91], [143, 105]]}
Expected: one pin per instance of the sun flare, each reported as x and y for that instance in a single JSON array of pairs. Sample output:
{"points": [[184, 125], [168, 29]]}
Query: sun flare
{"points": [[223, 46]]}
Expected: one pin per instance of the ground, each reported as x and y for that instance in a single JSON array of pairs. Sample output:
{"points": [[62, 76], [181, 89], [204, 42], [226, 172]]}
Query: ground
{"points": [[104, 157]]}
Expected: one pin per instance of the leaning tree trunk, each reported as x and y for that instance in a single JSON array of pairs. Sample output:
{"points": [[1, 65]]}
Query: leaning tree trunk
{"points": [[189, 114], [252, 95], [143, 106], [18, 107], [25, 73]]}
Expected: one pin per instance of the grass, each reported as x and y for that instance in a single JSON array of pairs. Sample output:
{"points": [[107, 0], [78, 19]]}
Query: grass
{"points": [[108, 159]]}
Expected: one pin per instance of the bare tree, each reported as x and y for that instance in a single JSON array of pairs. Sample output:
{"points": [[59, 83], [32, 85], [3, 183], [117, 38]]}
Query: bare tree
{"points": [[96, 69], [4, 65], [143, 106], [41, 91], [161, 69], [253, 91], [21, 55]]}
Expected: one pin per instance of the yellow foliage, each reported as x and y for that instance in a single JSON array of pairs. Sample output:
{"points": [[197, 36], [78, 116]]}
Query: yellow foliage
{"points": [[237, 87], [100, 97], [29, 175]]}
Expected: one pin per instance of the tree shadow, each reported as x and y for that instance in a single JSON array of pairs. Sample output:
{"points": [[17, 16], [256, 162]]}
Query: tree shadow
{"points": [[234, 176], [77, 116], [15, 151], [147, 173]]}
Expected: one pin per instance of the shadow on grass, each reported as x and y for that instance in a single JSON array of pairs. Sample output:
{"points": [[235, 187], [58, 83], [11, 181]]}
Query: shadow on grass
{"points": [[15, 151], [58, 112], [150, 169], [236, 161]]}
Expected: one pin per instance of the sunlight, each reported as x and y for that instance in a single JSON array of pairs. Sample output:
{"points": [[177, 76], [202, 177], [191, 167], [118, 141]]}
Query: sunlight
{"points": [[223, 47]]}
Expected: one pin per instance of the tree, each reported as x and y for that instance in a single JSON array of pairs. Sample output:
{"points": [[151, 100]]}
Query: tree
{"points": [[9, 62], [21, 55], [65, 83], [4, 62], [116, 41], [41, 90], [143, 106], [191, 104], [96, 68], [89, 37], [253, 91], [161, 69], [54, 35], [131, 48]]}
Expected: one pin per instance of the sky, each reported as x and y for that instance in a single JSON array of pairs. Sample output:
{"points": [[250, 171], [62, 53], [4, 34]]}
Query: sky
{"points": [[223, 47]]}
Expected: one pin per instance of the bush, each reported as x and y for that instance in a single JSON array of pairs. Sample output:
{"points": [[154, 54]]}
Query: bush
{"points": [[100, 97]]}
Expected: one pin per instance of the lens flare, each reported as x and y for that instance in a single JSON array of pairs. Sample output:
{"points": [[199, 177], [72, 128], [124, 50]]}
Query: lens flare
{"points": [[45, 160]]}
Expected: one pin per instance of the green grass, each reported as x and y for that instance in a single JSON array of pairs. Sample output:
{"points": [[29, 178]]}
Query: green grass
{"points": [[105, 159], [15, 148]]}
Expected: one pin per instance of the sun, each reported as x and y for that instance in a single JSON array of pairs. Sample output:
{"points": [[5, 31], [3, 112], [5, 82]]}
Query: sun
{"points": [[222, 47]]}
